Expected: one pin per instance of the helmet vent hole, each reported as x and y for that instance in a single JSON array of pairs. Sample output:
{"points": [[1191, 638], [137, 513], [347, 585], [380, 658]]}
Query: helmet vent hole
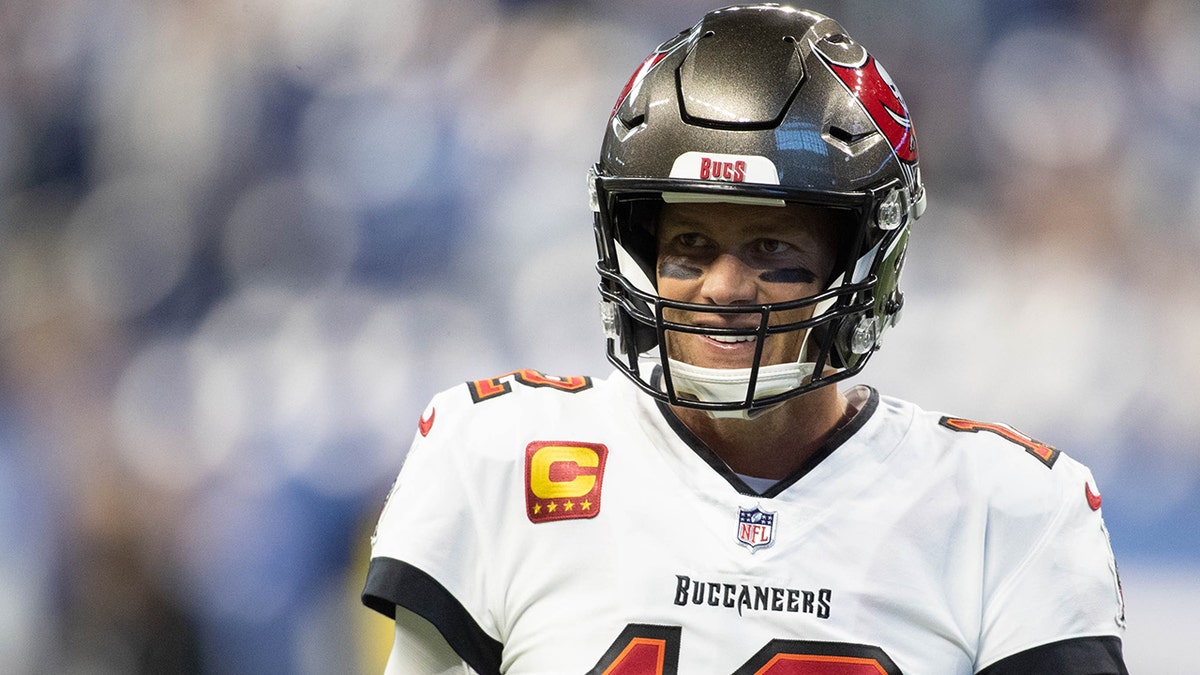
{"points": [[847, 137], [635, 121], [789, 39]]}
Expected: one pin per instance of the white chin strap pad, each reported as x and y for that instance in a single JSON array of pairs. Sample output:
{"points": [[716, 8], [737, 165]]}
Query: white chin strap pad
{"points": [[729, 385]]}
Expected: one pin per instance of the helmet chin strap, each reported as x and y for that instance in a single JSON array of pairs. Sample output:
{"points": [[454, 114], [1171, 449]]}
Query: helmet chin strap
{"points": [[725, 385]]}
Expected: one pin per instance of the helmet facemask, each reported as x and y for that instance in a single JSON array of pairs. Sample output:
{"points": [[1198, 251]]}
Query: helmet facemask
{"points": [[641, 324]]}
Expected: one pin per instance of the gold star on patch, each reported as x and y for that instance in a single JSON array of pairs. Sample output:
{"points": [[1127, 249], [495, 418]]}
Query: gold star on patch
{"points": [[568, 505], [551, 507], [537, 508], [585, 505]]}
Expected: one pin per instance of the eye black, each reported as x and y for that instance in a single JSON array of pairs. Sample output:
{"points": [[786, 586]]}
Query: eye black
{"points": [[788, 275]]}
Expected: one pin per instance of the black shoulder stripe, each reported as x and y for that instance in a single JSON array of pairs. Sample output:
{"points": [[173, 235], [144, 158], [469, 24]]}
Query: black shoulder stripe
{"points": [[393, 582], [1078, 656]]}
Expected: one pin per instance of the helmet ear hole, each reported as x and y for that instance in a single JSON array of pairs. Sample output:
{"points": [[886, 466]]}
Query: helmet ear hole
{"points": [[637, 232], [637, 337]]}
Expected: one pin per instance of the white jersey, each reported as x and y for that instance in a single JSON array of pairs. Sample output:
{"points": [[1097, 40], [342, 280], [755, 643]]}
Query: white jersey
{"points": [[569, 526]]}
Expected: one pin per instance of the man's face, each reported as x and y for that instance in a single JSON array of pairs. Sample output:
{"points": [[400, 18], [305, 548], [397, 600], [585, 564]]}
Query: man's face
{"points": [[735, 254]]}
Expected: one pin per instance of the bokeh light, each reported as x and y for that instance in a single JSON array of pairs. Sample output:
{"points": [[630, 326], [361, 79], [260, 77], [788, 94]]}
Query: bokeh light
{"points": [[242, 242]]}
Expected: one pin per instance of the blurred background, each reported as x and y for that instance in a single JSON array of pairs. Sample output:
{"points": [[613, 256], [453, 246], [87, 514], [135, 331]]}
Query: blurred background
{"points": [[242, 242]]}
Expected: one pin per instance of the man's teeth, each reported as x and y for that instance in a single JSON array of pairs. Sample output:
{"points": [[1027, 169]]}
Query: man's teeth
{"points": [[733, 338]]}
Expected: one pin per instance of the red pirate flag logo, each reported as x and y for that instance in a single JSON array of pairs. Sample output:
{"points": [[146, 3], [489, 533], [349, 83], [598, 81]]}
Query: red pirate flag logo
{"points": [[874, 89]]}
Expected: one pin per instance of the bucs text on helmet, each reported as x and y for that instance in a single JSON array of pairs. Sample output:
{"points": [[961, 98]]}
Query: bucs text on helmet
{"points": [[756, 104]]}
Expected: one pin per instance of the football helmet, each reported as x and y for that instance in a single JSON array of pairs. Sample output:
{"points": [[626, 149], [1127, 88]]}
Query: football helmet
{"points": [[756, 104]]}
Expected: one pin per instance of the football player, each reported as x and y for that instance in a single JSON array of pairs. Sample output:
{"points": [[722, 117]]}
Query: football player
{"points": [[722, 505]]}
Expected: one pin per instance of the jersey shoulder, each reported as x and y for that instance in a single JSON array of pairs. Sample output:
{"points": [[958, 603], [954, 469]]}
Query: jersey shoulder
{"points": [[482, 414], [472, 440], [1012, 470]]}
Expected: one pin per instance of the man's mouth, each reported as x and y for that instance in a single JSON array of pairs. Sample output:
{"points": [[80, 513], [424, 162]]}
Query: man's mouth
{"points": [[732, 338]]}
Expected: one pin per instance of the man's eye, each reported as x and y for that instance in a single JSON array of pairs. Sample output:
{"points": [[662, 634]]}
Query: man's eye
{"points": [[691, 240], [772, 246]]}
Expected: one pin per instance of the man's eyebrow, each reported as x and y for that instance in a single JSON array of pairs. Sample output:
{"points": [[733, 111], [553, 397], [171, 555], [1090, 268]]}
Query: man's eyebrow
{"points": [[681, 223]]}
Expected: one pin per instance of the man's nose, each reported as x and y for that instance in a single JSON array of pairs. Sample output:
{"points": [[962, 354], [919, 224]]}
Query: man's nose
{"points": [[729, 281]]}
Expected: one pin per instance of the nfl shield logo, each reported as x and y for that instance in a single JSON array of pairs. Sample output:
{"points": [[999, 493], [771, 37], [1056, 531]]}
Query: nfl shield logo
{"points": [[756, 528]]}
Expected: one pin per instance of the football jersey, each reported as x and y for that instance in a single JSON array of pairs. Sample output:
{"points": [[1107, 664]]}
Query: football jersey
{"points": [[568, 525]]}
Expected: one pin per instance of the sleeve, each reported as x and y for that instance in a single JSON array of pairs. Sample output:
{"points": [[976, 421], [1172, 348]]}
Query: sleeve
{"points": [[419, 649], [1079, 656], [1052, 597], [427, 553]]}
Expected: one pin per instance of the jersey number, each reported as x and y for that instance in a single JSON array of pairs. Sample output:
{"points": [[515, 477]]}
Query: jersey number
{"points": [[1046, 454], [647, 649], [482, 390]]}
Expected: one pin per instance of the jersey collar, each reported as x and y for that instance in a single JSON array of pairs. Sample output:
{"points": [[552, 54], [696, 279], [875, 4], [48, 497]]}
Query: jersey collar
{"points": [[866, 408]]}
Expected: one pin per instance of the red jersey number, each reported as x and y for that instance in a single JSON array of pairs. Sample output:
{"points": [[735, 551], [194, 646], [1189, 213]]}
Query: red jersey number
{"points": [[482, 390], [646, 649], [1044, 453]]}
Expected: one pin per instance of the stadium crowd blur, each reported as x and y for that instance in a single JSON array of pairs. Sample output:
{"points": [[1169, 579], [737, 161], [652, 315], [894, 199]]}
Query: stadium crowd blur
{"points": [[243, 241]]}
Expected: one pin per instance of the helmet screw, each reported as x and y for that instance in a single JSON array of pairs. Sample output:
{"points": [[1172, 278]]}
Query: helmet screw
{"points": [[893, 308], [890, 214], [865, 335]]}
